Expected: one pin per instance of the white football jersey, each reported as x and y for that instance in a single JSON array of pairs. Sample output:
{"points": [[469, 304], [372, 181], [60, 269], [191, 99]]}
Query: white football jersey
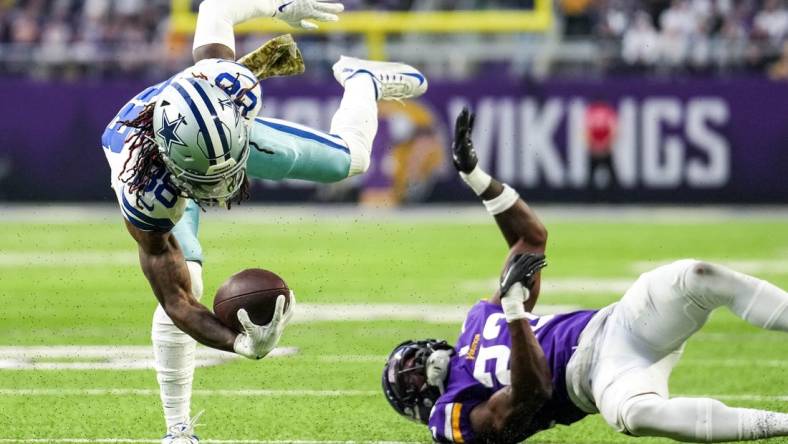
{"points": [[160, 206]]}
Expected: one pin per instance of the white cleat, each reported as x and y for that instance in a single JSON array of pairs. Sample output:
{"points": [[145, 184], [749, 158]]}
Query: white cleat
{"points": [[393, 81], [182, 433]]}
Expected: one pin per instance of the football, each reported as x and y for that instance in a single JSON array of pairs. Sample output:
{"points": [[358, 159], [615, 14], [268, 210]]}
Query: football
{"points": [[254, 289]]}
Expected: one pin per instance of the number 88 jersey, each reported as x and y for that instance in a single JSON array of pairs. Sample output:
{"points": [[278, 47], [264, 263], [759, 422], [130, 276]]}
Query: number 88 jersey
{"points": [[161, 205], [481, 366]]}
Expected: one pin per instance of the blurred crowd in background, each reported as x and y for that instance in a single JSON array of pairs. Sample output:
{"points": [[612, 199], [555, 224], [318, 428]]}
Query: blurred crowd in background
{"points": [[685, 35], [107, 38]]}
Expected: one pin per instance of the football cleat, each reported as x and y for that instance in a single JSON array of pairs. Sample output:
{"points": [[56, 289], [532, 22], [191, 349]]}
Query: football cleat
{"points": [[393, 81], [182, 433]]}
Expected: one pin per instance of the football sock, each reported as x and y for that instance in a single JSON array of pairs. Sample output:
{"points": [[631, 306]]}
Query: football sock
{"points": [[754, 300], [173, 352], [356, 120], [699, 420]]}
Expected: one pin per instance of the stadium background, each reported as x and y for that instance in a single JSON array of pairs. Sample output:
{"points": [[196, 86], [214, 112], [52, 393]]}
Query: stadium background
{"points": [[699, 92]]}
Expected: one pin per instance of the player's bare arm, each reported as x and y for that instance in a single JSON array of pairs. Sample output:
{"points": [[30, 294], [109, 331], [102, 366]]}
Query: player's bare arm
{"points": [[163, 264], [519, 224], [502, 418]]}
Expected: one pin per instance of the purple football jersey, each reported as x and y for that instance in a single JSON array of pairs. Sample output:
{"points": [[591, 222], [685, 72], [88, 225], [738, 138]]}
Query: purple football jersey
{"points": [[480, 367]]}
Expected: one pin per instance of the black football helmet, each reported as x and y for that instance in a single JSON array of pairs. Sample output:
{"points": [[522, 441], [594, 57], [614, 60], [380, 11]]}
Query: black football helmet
{"points": [[405, 377]]}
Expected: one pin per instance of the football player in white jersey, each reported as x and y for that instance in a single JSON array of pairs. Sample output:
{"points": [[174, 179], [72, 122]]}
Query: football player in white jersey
{"points": [[192, 141]]}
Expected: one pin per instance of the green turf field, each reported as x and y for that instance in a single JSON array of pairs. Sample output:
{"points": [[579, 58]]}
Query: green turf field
{"points": [[77, 283]]}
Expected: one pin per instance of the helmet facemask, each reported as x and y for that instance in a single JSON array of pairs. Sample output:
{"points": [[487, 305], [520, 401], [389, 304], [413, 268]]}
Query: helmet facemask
{"points": [[414, 377], [218, 187]]}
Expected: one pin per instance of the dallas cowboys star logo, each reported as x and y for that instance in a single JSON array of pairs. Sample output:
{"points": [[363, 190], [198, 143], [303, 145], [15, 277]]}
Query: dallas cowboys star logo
{"points": [[168, 130]]}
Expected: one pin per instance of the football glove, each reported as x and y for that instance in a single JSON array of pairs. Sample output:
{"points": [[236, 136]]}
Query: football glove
{"points": [[257, 341], [517, 282], [463, 154], [297, 13]]}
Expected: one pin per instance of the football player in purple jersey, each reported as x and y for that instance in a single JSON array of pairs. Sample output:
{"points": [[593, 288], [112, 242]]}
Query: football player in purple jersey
{"points": [[512, 374]]}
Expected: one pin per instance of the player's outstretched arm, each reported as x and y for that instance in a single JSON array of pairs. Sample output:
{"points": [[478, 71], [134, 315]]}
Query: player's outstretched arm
{"points": [[165, 267], [519, 224], [509, 410], [214, 37]]}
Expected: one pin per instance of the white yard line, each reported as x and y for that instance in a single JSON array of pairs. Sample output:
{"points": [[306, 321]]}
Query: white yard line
{"points": [[435, 313], [744, 397], [352, 358], [469, 213], [273, 393], [40, 258], [296, 393], [584, 285], [208, 441], [685, 362], [106, 357]]}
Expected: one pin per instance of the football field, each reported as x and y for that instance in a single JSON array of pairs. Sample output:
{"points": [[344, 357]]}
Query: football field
{"points": [[75, 313]]}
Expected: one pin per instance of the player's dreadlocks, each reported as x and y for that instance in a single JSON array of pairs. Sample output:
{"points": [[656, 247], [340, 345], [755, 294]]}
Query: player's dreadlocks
{"points": [[149, 161]]}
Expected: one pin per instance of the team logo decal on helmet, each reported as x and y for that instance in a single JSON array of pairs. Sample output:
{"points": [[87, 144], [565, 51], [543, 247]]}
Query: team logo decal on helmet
{"points": [[414, 377], [169, 131]]}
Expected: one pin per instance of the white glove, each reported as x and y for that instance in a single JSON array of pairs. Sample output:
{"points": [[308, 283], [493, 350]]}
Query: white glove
{"points": [[296, 12], [513, 302], [258, 340]]}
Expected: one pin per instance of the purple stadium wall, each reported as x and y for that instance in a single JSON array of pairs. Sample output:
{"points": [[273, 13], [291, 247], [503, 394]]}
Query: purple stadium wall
{"points": [[679, 141]]}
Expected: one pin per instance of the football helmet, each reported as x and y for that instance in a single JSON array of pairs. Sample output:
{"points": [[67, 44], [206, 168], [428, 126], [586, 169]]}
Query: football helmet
{"points": [[202, 138], [414, 377]]}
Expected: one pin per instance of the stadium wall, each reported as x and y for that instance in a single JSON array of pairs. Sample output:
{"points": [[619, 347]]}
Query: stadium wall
{"points": [[678, 141]]}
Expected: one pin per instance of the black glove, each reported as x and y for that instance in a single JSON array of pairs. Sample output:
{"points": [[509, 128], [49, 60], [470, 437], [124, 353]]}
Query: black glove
{"points": [[523, 269], [463, 154]]}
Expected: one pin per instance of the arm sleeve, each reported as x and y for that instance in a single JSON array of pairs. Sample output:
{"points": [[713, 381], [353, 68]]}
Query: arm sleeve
{"points": [[284, 150]]}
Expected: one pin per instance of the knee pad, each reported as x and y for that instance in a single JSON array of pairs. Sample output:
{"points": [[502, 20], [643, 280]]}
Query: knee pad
{"points": [[705, 284], [165, 333], [640, 415]]}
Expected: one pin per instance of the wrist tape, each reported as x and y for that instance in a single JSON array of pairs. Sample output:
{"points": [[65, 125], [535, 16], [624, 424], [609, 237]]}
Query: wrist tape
{"points": [[503, 202], [513, 303], [477, 179], [216, 19]]}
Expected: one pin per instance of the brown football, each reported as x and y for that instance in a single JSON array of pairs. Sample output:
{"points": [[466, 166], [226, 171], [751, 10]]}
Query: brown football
{"points": [[255, 290]]}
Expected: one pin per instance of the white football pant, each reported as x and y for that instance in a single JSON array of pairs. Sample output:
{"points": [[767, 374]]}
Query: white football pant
{"points": [[173, 351], [356, 121], [643, 339]]}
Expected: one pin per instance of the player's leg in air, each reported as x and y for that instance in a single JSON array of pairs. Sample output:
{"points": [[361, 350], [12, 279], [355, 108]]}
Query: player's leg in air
{"points": [[643, 340], [285, 150]]}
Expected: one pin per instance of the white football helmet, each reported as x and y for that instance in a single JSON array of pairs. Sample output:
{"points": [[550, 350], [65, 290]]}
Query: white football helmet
{"points": [[202, 138]]}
